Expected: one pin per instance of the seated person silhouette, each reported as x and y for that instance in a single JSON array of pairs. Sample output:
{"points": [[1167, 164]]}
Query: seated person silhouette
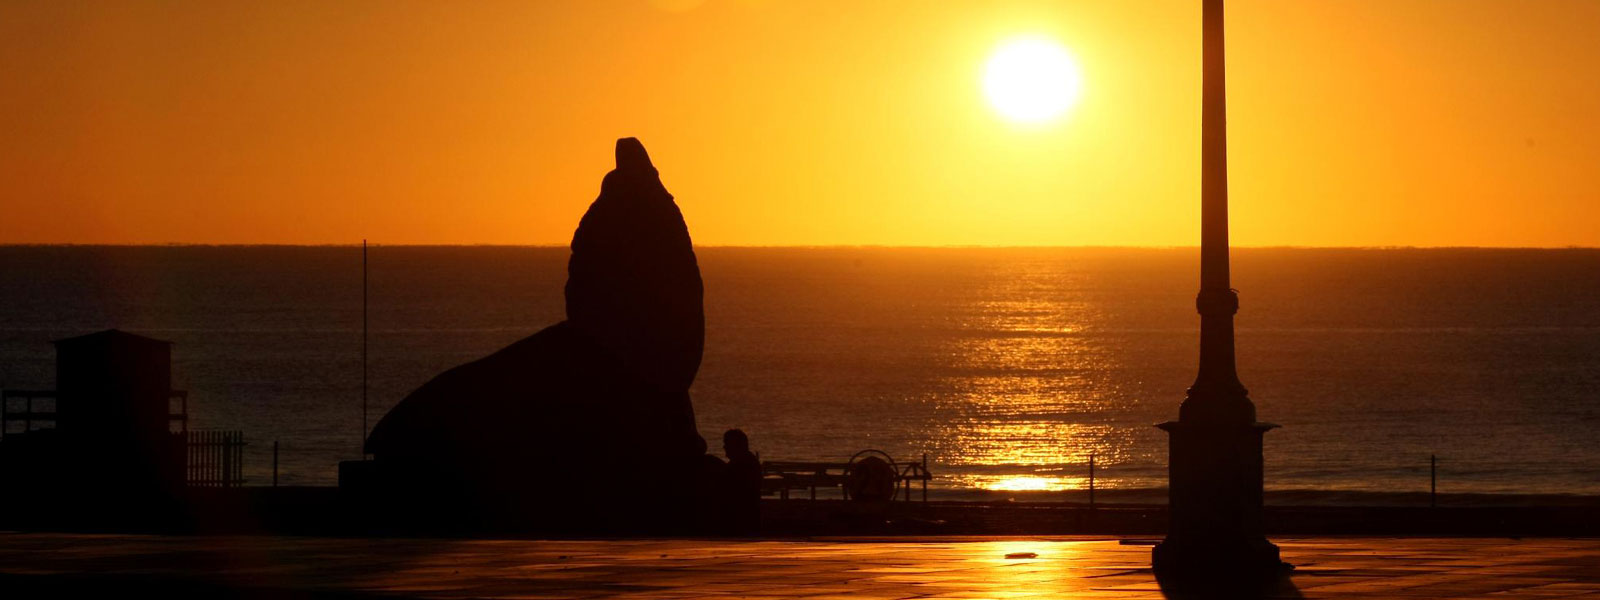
{"points": [[744, 481]]}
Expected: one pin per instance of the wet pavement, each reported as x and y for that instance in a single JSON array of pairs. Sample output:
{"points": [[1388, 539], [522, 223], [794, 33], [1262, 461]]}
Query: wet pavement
{"points": [[969, 568]]}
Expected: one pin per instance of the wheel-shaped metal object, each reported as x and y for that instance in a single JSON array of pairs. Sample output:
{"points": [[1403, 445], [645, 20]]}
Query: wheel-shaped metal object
{"points": [[871, 476]]}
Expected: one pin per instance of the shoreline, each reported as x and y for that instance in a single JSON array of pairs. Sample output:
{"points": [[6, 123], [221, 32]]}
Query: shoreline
{"points": [[324, 511], [1154, 496]]}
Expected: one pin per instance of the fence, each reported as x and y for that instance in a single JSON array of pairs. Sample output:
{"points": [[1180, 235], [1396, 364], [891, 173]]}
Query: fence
{"points": [[1433, 480], [214, 458]]}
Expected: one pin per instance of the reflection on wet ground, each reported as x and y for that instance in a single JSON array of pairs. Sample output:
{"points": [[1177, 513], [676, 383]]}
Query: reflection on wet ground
{"points": [[974, 567]]}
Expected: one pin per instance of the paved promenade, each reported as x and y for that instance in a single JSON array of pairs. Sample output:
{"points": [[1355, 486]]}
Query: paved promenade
{"points": [[969, 568]]}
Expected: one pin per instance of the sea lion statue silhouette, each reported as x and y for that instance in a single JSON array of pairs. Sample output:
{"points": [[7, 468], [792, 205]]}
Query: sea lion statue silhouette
{"points": [[586, 425]]}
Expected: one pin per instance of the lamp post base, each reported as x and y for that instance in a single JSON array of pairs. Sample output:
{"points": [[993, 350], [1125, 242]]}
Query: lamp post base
{"points": [[1215, 502], [1237, 559]]}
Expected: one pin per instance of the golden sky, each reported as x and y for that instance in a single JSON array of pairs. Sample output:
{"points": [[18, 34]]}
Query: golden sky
{"points": [[789, 122]]}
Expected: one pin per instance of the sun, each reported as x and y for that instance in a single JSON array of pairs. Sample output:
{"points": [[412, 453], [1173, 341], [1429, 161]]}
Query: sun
{"points": [[1032, 80]]}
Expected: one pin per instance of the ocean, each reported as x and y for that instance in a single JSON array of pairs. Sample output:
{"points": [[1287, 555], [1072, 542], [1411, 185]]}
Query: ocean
{"points": [[1007, 368]]}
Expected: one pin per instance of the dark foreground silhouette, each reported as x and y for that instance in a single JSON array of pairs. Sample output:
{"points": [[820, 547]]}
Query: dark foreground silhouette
{"points": [[112, 429], [587, 425]]}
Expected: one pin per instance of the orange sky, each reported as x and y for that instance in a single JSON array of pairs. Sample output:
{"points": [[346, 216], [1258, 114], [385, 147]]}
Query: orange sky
{"points": [[779, 122]]}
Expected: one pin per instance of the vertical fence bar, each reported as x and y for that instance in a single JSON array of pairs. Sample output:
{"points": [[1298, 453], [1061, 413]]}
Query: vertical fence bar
{"points": [[238, 458], [1091, 480], [926, 475], [1433, 481]]}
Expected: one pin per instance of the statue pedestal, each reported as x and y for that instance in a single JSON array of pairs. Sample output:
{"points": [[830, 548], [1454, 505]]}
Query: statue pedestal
{"points": [[1215, 502]]}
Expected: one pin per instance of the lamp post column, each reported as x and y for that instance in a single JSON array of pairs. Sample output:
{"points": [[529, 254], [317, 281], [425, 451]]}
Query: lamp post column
{"points": [[1214, 457]]}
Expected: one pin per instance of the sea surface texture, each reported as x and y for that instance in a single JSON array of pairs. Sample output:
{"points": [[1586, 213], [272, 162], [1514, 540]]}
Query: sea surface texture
{"points": [[1008, 368]]}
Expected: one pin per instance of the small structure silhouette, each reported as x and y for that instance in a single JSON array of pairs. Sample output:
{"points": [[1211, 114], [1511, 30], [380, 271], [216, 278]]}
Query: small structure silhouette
{"points": [[114, 424], [558, 431], [112, 416]]}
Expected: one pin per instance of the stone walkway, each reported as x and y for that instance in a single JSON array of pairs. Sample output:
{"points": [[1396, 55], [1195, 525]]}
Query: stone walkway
{"points": [[966, 568]]}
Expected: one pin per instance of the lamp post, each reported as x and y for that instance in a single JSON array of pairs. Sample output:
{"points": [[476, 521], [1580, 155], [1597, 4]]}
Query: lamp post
{"points": [[1214, 466]]}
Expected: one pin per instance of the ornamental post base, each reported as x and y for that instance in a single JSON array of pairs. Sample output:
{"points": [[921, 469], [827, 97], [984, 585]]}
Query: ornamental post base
{"points": [[1215, 503]]}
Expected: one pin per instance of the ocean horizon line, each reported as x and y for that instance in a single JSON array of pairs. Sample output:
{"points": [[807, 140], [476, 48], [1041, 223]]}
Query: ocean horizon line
{"points": [[798, 246]]}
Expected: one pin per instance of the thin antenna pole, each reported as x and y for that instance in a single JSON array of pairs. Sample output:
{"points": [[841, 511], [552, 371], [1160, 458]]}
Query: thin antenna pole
{"points": [[363, 349]]}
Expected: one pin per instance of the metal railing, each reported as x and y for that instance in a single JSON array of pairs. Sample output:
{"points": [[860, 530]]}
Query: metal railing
{"points": [[27, 408], [22, 411]]}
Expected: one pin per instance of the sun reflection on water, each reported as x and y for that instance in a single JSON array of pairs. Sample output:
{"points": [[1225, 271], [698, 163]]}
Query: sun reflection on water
{"points": [[1029, 483], [1033, 390]]}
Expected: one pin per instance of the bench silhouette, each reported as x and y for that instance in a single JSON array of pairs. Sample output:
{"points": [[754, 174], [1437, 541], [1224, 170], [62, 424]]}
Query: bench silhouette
{"points": [[781, 477]]}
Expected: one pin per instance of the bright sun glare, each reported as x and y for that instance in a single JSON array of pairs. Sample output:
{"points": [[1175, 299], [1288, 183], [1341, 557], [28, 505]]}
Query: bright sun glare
{"points": [[1031, 80]]}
